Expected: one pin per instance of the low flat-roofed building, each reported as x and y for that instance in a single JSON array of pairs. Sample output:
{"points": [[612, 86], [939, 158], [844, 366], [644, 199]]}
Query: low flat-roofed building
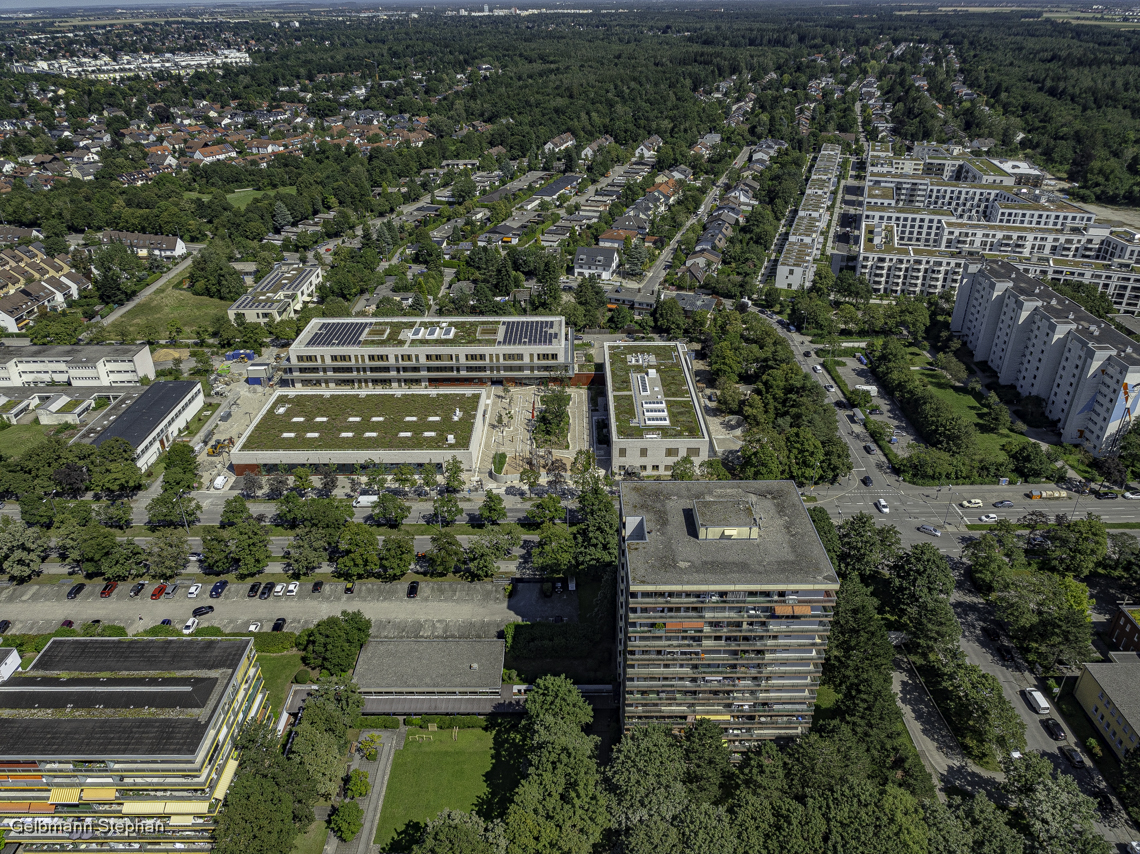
{"points": [[131, 739], [725, 598], [151, 421], [655, 414], [77, 365], [1110, 696], [432, 676], [394, 352], [346, 429]]}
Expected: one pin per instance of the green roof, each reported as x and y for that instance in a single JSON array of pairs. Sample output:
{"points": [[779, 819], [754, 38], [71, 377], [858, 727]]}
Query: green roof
{"points": [[684, 422], [349, 416]]}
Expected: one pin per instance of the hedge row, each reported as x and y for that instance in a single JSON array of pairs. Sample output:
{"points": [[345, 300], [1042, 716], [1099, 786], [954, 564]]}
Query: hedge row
{"points": [[377, 722], [266, 642], [447, 721]]}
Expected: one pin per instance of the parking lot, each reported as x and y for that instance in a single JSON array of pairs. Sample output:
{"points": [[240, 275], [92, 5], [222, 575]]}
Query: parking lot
{"points": [[441, 609], [855, 374]]}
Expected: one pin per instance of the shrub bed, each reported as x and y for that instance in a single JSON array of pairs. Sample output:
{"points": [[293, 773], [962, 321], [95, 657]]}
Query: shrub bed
{"points": [[448, 721], [377, 722], [548, 640]]}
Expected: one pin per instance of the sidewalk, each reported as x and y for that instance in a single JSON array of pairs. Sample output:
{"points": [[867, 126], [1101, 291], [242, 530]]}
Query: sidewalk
{"points": [[378, 773]]}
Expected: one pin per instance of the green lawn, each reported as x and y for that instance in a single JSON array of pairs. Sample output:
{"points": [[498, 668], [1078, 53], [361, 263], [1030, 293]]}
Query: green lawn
{"points": [[313, 840], [18, 438], [278, 672], [965, 405], [150, 318], [242, 198], [479, 771]]}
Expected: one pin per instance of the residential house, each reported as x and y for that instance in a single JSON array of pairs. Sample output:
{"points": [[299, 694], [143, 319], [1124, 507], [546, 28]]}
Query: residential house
{"points": [[214, 153], [1109, 693], [559, 143], [600, 261], [648, 149], [162, 245]]}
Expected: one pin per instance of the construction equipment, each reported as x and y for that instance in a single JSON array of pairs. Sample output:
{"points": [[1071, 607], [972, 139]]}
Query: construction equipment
{"points": [[219, 446]]}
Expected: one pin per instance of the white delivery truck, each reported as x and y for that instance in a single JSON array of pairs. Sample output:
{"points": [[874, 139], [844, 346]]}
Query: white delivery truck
{"points": [[365, 500]]}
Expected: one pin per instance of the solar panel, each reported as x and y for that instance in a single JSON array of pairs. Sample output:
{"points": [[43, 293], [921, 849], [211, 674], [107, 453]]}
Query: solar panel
{"points": [[339, 334], [534, 333]]}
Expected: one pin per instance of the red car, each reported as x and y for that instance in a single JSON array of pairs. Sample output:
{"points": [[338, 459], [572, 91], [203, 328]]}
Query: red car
{"points": [[108, 589], [157, 592]]}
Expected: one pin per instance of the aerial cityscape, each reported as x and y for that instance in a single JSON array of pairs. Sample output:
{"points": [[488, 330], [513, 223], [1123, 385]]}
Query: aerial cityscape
{"points": [[570, 428]]}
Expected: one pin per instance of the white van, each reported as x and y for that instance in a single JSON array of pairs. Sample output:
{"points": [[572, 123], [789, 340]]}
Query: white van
{"points": [[365, 500], [220, 482], [1036, 701]]}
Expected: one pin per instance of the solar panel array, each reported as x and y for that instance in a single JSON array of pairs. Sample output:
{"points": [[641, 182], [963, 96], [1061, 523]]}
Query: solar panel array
{"points": [[338, 334], [533, 333]]}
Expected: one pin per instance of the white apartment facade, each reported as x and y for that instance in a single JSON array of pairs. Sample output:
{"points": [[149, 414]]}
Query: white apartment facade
{"points": [[79, 365], [1046, 345]]}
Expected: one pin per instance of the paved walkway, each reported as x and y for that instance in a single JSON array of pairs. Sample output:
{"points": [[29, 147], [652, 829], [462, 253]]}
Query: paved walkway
{"points": [[378, 773], [177, 270]]}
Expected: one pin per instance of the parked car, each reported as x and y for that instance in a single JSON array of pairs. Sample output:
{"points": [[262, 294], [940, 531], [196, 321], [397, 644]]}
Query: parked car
{"points": [[254, 627], [881, 505], [558, 587], [1074, 756], [413, 590], [67, 624], [350, 587], [156, 594], [278, 625], [1106, 496], [254, 589], [875, 411], [1055, 730], [972, 503], [4, 626], [988, 517], [993, 634], [291, 590], [1003, 503], [318, 586], [76, 590], [137, 588], [1132, 496], [203, 611], [869, 448], [866, 481], [218, 589], [108, 589], [279, 589], [1006, 652], [828, 387], [266, 590], [930, 529], [167, 623], [1105, 804], [192, 593], [191, 624], [817, 369], [170, 591]]}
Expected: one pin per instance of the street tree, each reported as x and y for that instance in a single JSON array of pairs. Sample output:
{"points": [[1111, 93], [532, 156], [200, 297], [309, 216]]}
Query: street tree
{"points": [[347, 820], [252, 484], [493, 510], [554, 553], [446, 554], [446, 509], [166, 555], [453, 474], [547, 509], [306, 553], [234, 510], [390, 510], [359, 555], [397, 551]]}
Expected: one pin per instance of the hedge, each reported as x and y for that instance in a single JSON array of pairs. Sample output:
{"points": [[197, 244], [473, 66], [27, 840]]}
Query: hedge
{"points": [[499, 462], [376, 722], [447, 721], [266, 642]]}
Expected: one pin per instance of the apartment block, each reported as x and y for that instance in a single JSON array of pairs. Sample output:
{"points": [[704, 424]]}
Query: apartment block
{"points": [[1046, 345], [78, 365], [655, 415], [1110, 696], [1125, 629], [282, 294], [808, 234], [125, 743], [418, 353], [725, 600]]}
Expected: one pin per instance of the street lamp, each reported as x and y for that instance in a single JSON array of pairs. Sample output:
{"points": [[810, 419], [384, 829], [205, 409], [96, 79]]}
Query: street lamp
{"points": [[178, 499]]}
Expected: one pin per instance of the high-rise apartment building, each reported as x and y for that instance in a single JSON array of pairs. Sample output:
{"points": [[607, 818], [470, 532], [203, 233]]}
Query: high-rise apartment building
{"points": [[725, 601]]}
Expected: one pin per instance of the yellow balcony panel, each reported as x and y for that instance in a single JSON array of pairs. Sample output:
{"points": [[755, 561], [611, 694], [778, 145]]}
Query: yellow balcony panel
{"points": [[186, 807], [99, 793], [224, 780], [64, 795], [143, 807]]}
